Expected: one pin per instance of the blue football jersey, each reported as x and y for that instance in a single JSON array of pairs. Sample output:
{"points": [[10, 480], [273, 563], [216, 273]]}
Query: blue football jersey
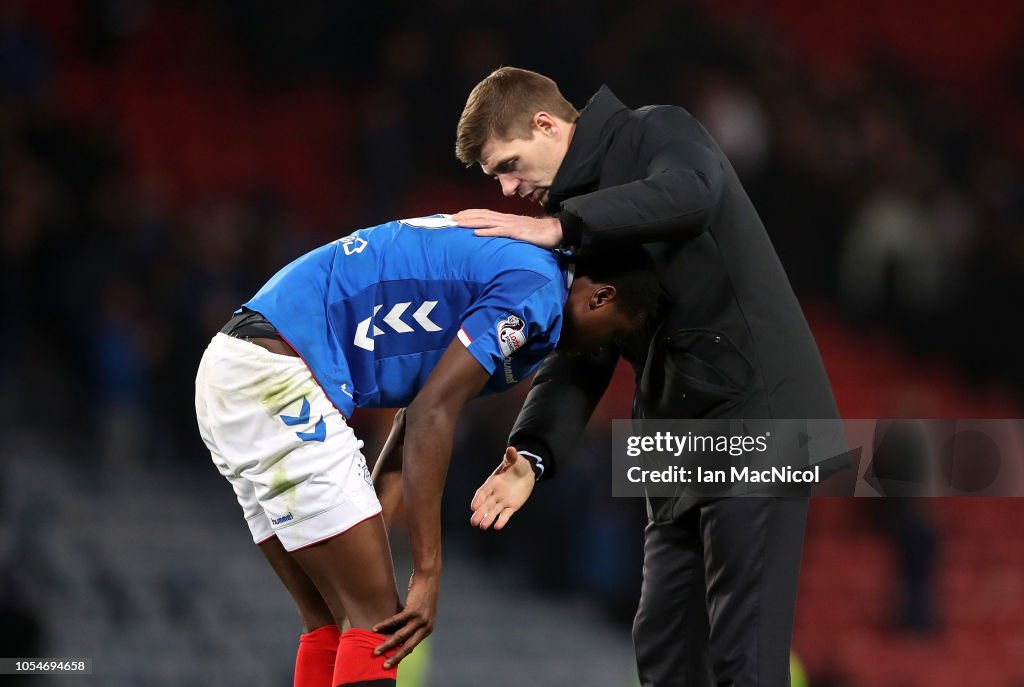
{"points": [[372, 313]]}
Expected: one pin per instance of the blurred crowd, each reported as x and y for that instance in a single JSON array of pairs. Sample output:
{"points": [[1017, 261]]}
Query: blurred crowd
{"points": [[130, 231]]}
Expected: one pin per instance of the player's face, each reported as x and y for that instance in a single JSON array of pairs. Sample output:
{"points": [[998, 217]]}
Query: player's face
{"points": [[591, 318], [526, 167]]}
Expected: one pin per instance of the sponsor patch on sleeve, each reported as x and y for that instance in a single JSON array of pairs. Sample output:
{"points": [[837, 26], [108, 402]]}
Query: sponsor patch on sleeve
{"points": [[511, 335]]}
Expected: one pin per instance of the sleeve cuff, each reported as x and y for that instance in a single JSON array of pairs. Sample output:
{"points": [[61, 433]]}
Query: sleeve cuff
{"points": [[572, 230], [536, 462], [482, 357], [541, 462]]}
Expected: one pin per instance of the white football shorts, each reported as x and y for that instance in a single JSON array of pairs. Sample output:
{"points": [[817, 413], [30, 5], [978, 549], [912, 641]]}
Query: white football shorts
{"points": [[293, 461]]}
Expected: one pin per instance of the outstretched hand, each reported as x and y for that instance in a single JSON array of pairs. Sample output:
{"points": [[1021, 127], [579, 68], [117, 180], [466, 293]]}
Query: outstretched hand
{"points": [[545, 232], [504, 492]]}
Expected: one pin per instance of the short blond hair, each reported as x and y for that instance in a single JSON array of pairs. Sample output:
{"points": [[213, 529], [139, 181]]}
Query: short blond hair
{"points": [[503, 106]]}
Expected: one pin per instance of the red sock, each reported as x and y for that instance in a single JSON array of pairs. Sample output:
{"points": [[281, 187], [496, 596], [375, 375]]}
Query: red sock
{"points": [[356, 666], [314, 663]]}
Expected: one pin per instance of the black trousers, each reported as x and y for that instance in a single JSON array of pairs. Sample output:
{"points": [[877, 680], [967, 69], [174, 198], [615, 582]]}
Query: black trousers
{"points": [[719, 593]]}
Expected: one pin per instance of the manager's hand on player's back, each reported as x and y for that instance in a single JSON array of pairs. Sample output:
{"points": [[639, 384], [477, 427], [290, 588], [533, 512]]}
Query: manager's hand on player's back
{"points": [[545, 232], [504, 492]]}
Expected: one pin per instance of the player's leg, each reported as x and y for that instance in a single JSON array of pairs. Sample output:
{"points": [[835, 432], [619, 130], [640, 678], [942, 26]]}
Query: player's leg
{"points": [[753, 548], [273, 432], [326, 515], [318, 644], [313, 610], [670, 632], [354, 574], [345, 580]]}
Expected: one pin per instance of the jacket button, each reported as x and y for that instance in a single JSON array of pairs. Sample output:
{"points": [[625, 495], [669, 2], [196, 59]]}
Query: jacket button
{"points": [[718, 339]]}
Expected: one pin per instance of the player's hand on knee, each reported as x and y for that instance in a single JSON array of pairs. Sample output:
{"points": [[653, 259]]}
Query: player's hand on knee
{"points": [[503, 493], [415, 622]]}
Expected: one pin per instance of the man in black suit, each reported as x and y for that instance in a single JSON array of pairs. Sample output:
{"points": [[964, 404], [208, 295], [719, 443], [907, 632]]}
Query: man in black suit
{"points": [[720, 574]]}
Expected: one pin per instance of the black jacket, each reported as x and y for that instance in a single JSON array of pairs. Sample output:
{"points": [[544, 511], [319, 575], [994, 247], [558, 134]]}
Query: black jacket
{"points": [[733, 341]]}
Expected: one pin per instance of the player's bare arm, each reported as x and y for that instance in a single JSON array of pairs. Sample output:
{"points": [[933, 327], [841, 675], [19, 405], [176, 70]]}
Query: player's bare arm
{"points": [[429, 431], [387, 471]]}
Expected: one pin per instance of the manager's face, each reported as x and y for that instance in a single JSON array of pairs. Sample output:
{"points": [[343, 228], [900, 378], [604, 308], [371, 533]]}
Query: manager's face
{"points": [[526, 167]]}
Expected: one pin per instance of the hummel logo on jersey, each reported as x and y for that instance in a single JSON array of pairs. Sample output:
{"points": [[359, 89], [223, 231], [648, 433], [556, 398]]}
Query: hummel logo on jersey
{"points": [[353, 244], [510, 375], [393, 319], [319, 432]]}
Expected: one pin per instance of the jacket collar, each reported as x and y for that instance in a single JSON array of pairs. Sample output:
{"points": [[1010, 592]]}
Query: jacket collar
{"points": [[580, 171]]}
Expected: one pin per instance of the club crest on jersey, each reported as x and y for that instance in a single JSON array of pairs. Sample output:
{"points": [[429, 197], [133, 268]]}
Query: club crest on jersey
{"points": [[511, 335]]}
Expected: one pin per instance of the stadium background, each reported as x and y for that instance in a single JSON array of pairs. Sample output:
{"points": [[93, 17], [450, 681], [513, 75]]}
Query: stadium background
{"points": [[159, 160]]}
